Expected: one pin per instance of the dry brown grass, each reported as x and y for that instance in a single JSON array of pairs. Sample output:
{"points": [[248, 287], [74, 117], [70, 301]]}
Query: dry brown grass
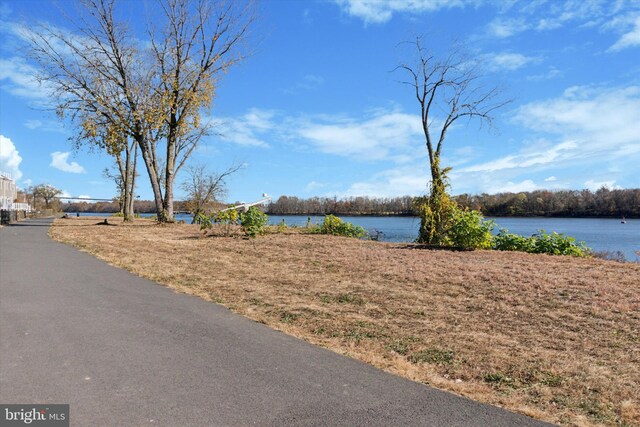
{"points": [[556, 338]]}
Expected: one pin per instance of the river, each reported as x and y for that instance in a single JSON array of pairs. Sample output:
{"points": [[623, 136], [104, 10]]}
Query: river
{"points": [[600, 234]]}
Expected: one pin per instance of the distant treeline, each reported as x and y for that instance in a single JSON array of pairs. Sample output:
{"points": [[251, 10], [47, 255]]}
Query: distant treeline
{"points": [[290, 205], [564, 203]]}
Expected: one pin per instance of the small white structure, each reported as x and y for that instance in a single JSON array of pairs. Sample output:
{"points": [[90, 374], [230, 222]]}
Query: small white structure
{"points": [[245, 206], [9, 193]]}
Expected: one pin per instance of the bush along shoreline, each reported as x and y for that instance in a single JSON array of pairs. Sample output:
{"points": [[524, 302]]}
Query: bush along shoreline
{"points": [[467, 230]]}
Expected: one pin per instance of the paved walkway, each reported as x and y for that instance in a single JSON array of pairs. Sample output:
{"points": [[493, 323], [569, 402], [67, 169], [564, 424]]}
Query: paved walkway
{"points": [[122, 350]]}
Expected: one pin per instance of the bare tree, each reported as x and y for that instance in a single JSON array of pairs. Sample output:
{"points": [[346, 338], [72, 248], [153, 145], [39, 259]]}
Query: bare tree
{"points": [[47, 192], [112, 84], [204, 189], [447, 90]]}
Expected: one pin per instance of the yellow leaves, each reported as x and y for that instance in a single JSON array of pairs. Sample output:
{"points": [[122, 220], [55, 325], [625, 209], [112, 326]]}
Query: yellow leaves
{"points": [[89, 127]]}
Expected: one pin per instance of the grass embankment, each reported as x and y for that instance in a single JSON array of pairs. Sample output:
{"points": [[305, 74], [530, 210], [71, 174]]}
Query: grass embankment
{"points": [[556, 338]]}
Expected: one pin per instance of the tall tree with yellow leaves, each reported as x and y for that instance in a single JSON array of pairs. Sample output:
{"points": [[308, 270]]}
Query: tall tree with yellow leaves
{"points": [[112, 84]]}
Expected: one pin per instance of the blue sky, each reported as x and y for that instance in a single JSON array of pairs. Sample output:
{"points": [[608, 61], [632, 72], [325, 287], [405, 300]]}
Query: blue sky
{"points": [[317, 111]]}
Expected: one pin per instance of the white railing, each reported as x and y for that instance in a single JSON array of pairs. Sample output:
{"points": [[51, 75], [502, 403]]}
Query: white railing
{"points": [[7, 205], [21, 207]]}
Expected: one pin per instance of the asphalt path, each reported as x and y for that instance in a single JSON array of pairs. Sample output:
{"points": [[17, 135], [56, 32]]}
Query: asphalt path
{"points": [[124, 351]]}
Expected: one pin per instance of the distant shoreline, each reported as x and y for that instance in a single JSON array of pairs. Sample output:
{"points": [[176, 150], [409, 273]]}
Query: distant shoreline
{"points": [[401, 215]]}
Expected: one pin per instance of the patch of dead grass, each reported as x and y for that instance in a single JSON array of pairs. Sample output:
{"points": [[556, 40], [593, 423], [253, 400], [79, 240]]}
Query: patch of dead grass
{"points": [[556, 338]]}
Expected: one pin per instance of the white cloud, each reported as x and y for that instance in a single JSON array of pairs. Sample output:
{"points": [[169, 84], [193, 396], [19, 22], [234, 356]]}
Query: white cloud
{"points": [[519, 16], [630, 38], [84, 196], [514, 187], [18, 78], [10, 158], [313, 185], [379, 135], [385, 136], [307, 83], [583, 129], [47, 126], [551, 73], [540, 154], [596, 185], [247, 130], [403, 180], [59, 160], [508, 61], [32, 124], [602, 121], [381, 11], [502, 28]]}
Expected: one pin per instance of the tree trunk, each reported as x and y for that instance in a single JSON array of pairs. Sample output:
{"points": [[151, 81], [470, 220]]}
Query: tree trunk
{"points": [[170, 166], [126, 177], [153, 179], [132, 187]]}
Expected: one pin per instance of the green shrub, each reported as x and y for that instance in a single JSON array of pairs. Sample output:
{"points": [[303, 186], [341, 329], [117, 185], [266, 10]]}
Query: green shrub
{"points": [[253, 221], [469, 229], [506, 241], [541, 243], [334, 225], [558, 244]]}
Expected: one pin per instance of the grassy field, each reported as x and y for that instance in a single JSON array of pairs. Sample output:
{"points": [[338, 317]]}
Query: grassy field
{"points": [[556, 338]]}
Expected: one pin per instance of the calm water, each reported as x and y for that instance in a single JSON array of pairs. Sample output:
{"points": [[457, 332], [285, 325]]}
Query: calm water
{"points": [[600, 234]]}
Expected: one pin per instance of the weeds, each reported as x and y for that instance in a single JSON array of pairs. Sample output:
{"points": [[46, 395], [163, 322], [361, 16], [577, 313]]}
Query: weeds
{"points": [[432, 355]]}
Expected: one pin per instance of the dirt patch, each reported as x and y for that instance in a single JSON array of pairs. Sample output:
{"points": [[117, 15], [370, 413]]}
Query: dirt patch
{"points": [[556, 338]]}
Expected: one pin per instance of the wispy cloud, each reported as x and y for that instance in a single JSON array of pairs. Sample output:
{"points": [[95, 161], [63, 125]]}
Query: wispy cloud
{"points": [[10, 158], [516, 17], [46, 126], [601, 120], [398, 181], [513, 187], [506, 27], [381, 11], [539, 155], [314, 185], [18, 78], [60, 161], [508, 61], [306, 83], [248, 129], [583, 129], [384, 136], [551, 73], [630, 38], [594, 185]]}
